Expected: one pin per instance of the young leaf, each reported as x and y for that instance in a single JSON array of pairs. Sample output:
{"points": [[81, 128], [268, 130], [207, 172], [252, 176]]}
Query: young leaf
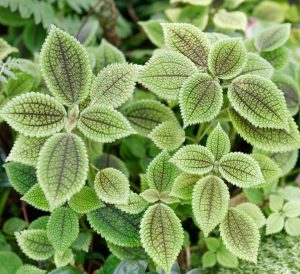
{"points": [[36, 198], [227, 58], [209, 259], [62, 167], [135, 204], [161, 235], [63, 258], [165, 72], [292, 226], [154, 31], [35, 244], [275, 202], [83, 241], [291, 209], [254, 212], [210, 202], [200, 99], [112, 186], [161, 173], [240, 235], [235, 20], [114, 85], [274, 223], [188, 40], [167, 199], [240, 169], [278, 58], [103, 124], [272, 37], [34, 114], [183, 186], [259, 101], [213, 37], [218, 142], [226, 258], [194, 159], [65, 67], [150, 195], [30, 269]]}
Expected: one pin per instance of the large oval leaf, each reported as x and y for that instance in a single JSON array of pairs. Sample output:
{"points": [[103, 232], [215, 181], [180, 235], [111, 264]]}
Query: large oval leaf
{"points": [[62, 167]]}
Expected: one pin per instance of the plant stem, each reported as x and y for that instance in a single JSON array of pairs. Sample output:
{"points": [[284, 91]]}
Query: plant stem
{"points": [[24, 211]]}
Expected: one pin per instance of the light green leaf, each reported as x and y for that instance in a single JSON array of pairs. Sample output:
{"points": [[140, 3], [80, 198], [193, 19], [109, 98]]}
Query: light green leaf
{"points": [[292, 226], [270, 11], [154, 31], [218, 142], [9, 262], [23, 83], [83, 241], [62, 168], [209, 259], [6, 49], [183, 186], [13, 225], [112, 186], [194, 159], [65, 67], [272, 37], [227, 58], [30, 269], [39, 223], [135, 204], [63, 259], [196, 15], [291, 209], [210, 202], [240, 169], [35, 244], [213, 37], [240, 235], [188, 40], [290, 193], [161, 235], [254, 212], [226, 258], [36, 198], [167, 199], [275, 202], [275, 223], [213, 244], [235, 20], [123, 252], [164, 73], [34, 114], [278, 58], [200, 99], [150, 195]]}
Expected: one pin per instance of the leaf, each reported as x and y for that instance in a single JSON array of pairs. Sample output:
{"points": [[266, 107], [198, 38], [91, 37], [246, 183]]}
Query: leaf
{"points": [[194, 159], [112, 186], [188, 40], [210, 202], [259, 101], [209, 259], [62, 168], [34, 114], [270, 11], [226, 258], [39, 223], [274, 140], [24, 83], [213, 37], [168, 135], [254, 212], [35, 244], [161, 173], [63, 259], [292, 226], [275, 202], [291, 209], [145, 115], [83, 241], [290, 193], [150, 195], [272, 37], [103, 124], [183, 186], [278, 58], [85, 201], [166, 198], [135, 204], [235, 20], [65, 67], [30, 269], [132, 266], [161, 235], [227, 58], [9, 262], [13, 225], [275, 223], [114, 85], [218, 142], [6, 49], [154, 31], [21, 177], [123, 252], [116, 226], [36, 198], [196, 15], [213, 244], [110, 160], [240, 235], [62, 228], [164, 73], [200, 90], [240, 169]]}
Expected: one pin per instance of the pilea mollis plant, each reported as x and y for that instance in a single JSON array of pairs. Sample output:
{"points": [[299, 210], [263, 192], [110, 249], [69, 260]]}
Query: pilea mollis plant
{"points": [[221, 85]]}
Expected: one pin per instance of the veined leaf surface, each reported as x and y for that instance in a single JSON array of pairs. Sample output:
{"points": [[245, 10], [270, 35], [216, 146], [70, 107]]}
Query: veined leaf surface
{"points": [[254, 212], [183, 186], [123, 252], [135, 204], [36, 198]]}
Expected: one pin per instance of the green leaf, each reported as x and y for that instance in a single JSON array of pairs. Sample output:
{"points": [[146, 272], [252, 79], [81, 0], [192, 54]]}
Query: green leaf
{"points": [[123, 252], [161, 235], [166, 198], [30, 269], [34, 114], [226, 258], [114, 85], [13, 225], [35, 244], [85, 201], [65, 67], [259, 101], [115, 225], [6, 49], [254, 212], [291, 209], [23, 83], [278, 58], [112, 186], [161, 173], [213, 244], [275, 202], [188, 40], [183, 186], [292, 226], [209, 259], [150, 195], [210, 202], [145, 115], [135, 204], [274, 140], [83, 241], [63, 259], [235, 20], [240, 235], [39, 223], [164, 73], [9, 262], [272, 37], [21, 177], [218, 142], [270, 11], [290, 193], [200, 90], [154, 31], [193, 14], [103, 124], [193, 2], [132, 266], [36, 198], [275, 223], [62, 168], [227, 58], [213, 37], [240, 169]]}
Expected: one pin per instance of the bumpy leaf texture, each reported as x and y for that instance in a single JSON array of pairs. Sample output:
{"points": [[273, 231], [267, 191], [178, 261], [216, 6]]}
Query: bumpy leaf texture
{"points": [[188, 40], [65, 67], [164, 73], [123, 252], [161, 235], [227, 58], [240, 235], [235, 20], [34, 114], [278, 58], [103, 124], [30, 269], [36, 198], [200, 99], [183, 186], [62, 167], [39, 223], [254, 212], [63, 258], [210, 202], [135, 204], [154, 31]]}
